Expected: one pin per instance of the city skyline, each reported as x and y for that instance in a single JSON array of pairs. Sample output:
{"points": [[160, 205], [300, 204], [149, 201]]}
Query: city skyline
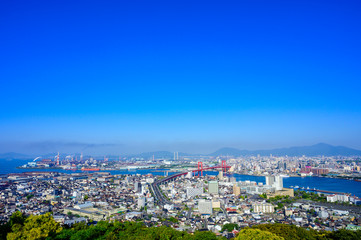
{"points": [[180, 76]]}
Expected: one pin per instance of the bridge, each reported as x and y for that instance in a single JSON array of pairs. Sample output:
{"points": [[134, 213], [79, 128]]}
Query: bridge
{"points": [[158, 195]]}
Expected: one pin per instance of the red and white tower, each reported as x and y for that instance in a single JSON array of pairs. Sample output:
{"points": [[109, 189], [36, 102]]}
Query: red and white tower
{"points": [[200, 168]]}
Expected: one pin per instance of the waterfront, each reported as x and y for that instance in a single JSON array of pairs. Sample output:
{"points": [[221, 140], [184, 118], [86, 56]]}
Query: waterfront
{"points": [[329, 184]]}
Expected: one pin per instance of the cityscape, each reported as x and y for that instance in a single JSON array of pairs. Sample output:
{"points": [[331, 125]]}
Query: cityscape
{"points": [[186, 193], [180, 120]]}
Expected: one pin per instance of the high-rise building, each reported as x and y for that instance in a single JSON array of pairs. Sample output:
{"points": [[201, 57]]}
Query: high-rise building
{"points": [[137, 187], [236, 190], [278, 184], [141, 202], [220, 175], [213, 187], [270, 180], [205, 207], [144, 187], [275, 181], [192, 192]]}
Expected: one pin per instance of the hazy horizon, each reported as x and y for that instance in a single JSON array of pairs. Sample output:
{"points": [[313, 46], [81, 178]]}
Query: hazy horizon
{"points": [[44, 148]]}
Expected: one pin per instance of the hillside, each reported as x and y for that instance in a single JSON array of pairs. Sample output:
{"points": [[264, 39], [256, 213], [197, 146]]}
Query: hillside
{"points": [[314, 150]]}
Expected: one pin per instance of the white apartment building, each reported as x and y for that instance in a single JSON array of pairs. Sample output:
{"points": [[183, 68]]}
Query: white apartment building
{"points": [[205, 206], [338, 197], [262, 207], [192, 192]]}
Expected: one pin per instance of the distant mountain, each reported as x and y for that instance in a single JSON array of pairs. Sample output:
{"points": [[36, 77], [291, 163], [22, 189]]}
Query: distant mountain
{"points": [[314, 150], [157, 154], [12, 155], [230, 152]]}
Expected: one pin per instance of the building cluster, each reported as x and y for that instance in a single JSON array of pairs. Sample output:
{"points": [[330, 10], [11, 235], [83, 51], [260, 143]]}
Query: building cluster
{"points": [[348, 167], [190, 203], [221, 200], [95, 196]]}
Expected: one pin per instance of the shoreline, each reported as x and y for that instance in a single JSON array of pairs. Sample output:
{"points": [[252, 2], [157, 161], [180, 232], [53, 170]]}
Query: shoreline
{"points": [[357, 179]]}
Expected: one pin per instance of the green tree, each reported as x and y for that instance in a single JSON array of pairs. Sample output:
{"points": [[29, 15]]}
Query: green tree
{"points": [[29, 196], [289, 232], [256, 234], [173, 220], [264, 195], [230, 227], [204, 235], [16, 218], [344, 234], [35, 227]]}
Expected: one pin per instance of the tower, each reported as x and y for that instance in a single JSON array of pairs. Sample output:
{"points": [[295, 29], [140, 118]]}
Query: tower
{"points": [[57, 160], [224, 165], [200, 168]]}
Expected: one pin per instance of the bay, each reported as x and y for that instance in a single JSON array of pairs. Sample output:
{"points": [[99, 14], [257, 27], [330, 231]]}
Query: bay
{"points": [[328, 184]]}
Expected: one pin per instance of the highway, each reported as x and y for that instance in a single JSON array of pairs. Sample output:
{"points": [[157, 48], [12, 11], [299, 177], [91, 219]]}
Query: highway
{"points": [[159, 197]]}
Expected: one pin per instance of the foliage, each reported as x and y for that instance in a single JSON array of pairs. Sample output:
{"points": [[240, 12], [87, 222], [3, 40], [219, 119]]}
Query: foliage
{"points": [[16, 218], [256, 234], [230, 227], [345, 235], [290, 232], [279, 206], [310, 196], [118, 230], [35, 227], [173, 220], [204, 235], [29, 196], [43, 227], [264, 196]]}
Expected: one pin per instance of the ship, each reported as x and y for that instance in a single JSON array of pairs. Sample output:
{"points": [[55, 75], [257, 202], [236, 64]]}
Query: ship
{"points": [[69, 168], [284, 175], [89, 169]]}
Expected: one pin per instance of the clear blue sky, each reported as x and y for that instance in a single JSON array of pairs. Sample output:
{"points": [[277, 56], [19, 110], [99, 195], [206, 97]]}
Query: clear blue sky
{"points": [[179, 75]]}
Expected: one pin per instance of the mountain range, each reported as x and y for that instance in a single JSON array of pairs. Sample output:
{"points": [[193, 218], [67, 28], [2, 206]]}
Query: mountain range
{"points": [[313, 150]]}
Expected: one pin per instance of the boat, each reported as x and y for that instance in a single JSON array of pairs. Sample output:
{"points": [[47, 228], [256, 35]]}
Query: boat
{"points": [[89, 169], [284, 175]]}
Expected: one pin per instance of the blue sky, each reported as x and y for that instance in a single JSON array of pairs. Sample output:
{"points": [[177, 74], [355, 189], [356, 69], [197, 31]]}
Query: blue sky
{"points": [[179, 75]]}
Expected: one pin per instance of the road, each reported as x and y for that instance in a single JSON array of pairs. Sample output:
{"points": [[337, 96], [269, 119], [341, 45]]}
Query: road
{"points": [[158, 195]]}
